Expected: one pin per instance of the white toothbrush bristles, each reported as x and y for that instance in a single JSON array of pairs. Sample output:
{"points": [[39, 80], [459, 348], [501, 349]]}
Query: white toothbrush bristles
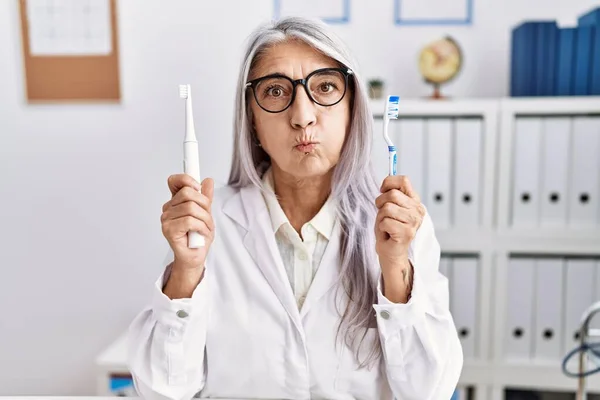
{"points": [[184, 91]]}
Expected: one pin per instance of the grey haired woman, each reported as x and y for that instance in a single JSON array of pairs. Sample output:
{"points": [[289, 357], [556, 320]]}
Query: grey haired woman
{"points": [[316, 281]]}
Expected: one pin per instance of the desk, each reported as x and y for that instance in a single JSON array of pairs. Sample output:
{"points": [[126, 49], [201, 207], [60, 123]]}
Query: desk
{"points": [[112, 375], [76, 398]]}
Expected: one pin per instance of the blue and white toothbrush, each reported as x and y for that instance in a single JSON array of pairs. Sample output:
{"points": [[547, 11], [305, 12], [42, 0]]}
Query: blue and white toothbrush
{"points": [[391, 112]]}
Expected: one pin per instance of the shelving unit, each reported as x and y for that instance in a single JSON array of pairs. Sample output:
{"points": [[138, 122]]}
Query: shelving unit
{"points": [[538, 241], [493, 240]]}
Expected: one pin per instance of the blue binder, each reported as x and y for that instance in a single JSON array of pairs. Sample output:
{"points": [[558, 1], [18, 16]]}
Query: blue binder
{"points": [[545, 48], [592, 18], [522, 60], [583, 60], [565, 61]]}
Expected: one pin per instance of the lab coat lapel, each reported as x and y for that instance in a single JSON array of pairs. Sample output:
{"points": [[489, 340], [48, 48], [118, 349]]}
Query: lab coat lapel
{"points": [[327, 273], [251, 212]]}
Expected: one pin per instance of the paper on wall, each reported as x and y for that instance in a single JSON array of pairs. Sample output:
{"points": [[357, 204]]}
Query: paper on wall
{"points": [[330, 9], [69, 27], [434, 9]]}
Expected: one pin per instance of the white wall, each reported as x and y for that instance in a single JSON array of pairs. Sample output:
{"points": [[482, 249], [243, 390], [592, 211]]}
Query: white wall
{"points": [[83, 185]]}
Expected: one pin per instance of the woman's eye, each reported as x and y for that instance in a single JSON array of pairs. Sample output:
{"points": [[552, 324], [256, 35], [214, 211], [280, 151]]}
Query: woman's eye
{"points": [[275, 92], [327, 87]]}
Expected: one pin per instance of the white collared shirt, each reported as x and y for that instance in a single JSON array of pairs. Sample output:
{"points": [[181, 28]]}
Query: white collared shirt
{"points": [[301, 258]]}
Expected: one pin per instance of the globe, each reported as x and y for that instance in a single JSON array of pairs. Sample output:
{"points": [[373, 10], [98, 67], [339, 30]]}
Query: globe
{"points": [[439, 62]]}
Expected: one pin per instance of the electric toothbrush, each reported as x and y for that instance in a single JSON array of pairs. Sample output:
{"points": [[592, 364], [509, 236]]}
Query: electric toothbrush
{"points": [[191, 158]]}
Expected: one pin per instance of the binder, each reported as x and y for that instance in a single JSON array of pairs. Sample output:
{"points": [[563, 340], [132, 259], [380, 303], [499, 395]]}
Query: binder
{"points": [[468, 145], [519, 310], [463, 302], [548, 309], [583, 60], [595, 322], [595, 68], [545, 46], [526, 165], [592, 18], [579, 295], [523, 58], [584, 189], [565, 61], [411, 151], [554, 171], [439, 164], [461, 393]]}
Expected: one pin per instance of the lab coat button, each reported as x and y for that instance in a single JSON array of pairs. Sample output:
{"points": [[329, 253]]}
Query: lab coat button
{"points": [[302, 256], [182, 314], [385, 314]]}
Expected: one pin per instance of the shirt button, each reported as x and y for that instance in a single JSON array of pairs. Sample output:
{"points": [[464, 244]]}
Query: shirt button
{"points": [[302, 256], [182, 314], [385, 314]]}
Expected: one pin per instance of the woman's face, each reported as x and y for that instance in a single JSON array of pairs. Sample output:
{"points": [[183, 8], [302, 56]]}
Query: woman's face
{"points": [[306, 139]]}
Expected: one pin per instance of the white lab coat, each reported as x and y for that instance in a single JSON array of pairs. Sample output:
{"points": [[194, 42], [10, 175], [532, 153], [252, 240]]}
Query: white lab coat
{"points": [[241, 334]]}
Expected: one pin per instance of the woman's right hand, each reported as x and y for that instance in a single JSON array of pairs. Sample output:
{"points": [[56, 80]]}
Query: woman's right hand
{"points": [[189, 210]]}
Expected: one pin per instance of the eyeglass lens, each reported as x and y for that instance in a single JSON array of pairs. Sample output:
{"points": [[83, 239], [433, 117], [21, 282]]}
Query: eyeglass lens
{"points": [[326, 88]]}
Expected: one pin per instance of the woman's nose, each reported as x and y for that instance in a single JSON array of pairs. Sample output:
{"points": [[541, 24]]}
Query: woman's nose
{"points": [[302, 110]]}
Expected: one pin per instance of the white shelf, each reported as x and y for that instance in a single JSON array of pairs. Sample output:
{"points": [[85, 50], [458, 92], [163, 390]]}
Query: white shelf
{"points": [[549, 241], [516, 105], [534, 377], [523, 376], [111, 361], [463, 241], [115, 356], [551, 105], [429, 107]]}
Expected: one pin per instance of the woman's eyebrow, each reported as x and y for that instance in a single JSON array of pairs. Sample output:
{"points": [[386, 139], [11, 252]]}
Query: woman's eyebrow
{"points": [[276, 73]]}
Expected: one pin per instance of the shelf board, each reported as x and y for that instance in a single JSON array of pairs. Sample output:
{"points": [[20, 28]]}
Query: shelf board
{"points": [[463, 240], [549, 241], [475, 373], [429, 107], [540, 377], [114, 358], [552, 105]]}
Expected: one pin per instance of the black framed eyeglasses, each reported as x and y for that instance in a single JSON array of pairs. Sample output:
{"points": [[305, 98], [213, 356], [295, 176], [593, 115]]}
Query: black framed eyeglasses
{"points": [[276, 92]]}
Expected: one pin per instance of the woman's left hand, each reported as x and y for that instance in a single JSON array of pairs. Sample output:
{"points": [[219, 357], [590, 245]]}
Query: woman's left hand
{"points": [[399, 217]]}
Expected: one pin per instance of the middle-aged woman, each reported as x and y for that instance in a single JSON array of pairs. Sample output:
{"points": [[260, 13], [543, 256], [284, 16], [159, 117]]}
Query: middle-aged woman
{"points": [[315, 281]]}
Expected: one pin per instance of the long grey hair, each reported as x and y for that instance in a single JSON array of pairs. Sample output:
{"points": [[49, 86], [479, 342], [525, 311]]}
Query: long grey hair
{"points": [[354, 187]]}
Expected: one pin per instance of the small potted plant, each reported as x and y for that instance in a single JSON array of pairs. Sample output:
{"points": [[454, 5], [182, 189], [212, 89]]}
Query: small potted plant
{"points": [[376, 88]]}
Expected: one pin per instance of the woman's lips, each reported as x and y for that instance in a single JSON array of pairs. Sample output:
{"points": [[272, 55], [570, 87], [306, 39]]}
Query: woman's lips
{"points": [[306, 147]]}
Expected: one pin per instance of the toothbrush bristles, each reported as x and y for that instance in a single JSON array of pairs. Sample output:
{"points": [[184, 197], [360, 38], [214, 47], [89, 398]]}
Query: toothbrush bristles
{"points": [[183, 91], [393, 110]]}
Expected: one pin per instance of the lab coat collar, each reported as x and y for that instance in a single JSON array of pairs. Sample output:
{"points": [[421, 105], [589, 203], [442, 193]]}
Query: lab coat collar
{"points": [[248, 208]]}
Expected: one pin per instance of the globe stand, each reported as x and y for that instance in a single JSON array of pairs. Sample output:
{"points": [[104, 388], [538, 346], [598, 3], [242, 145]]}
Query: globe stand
{"points": [[437, 94]]}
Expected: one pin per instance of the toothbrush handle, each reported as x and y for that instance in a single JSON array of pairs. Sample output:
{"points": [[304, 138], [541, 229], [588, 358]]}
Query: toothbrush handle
{"points": [[392, 157], [191, 166]]}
